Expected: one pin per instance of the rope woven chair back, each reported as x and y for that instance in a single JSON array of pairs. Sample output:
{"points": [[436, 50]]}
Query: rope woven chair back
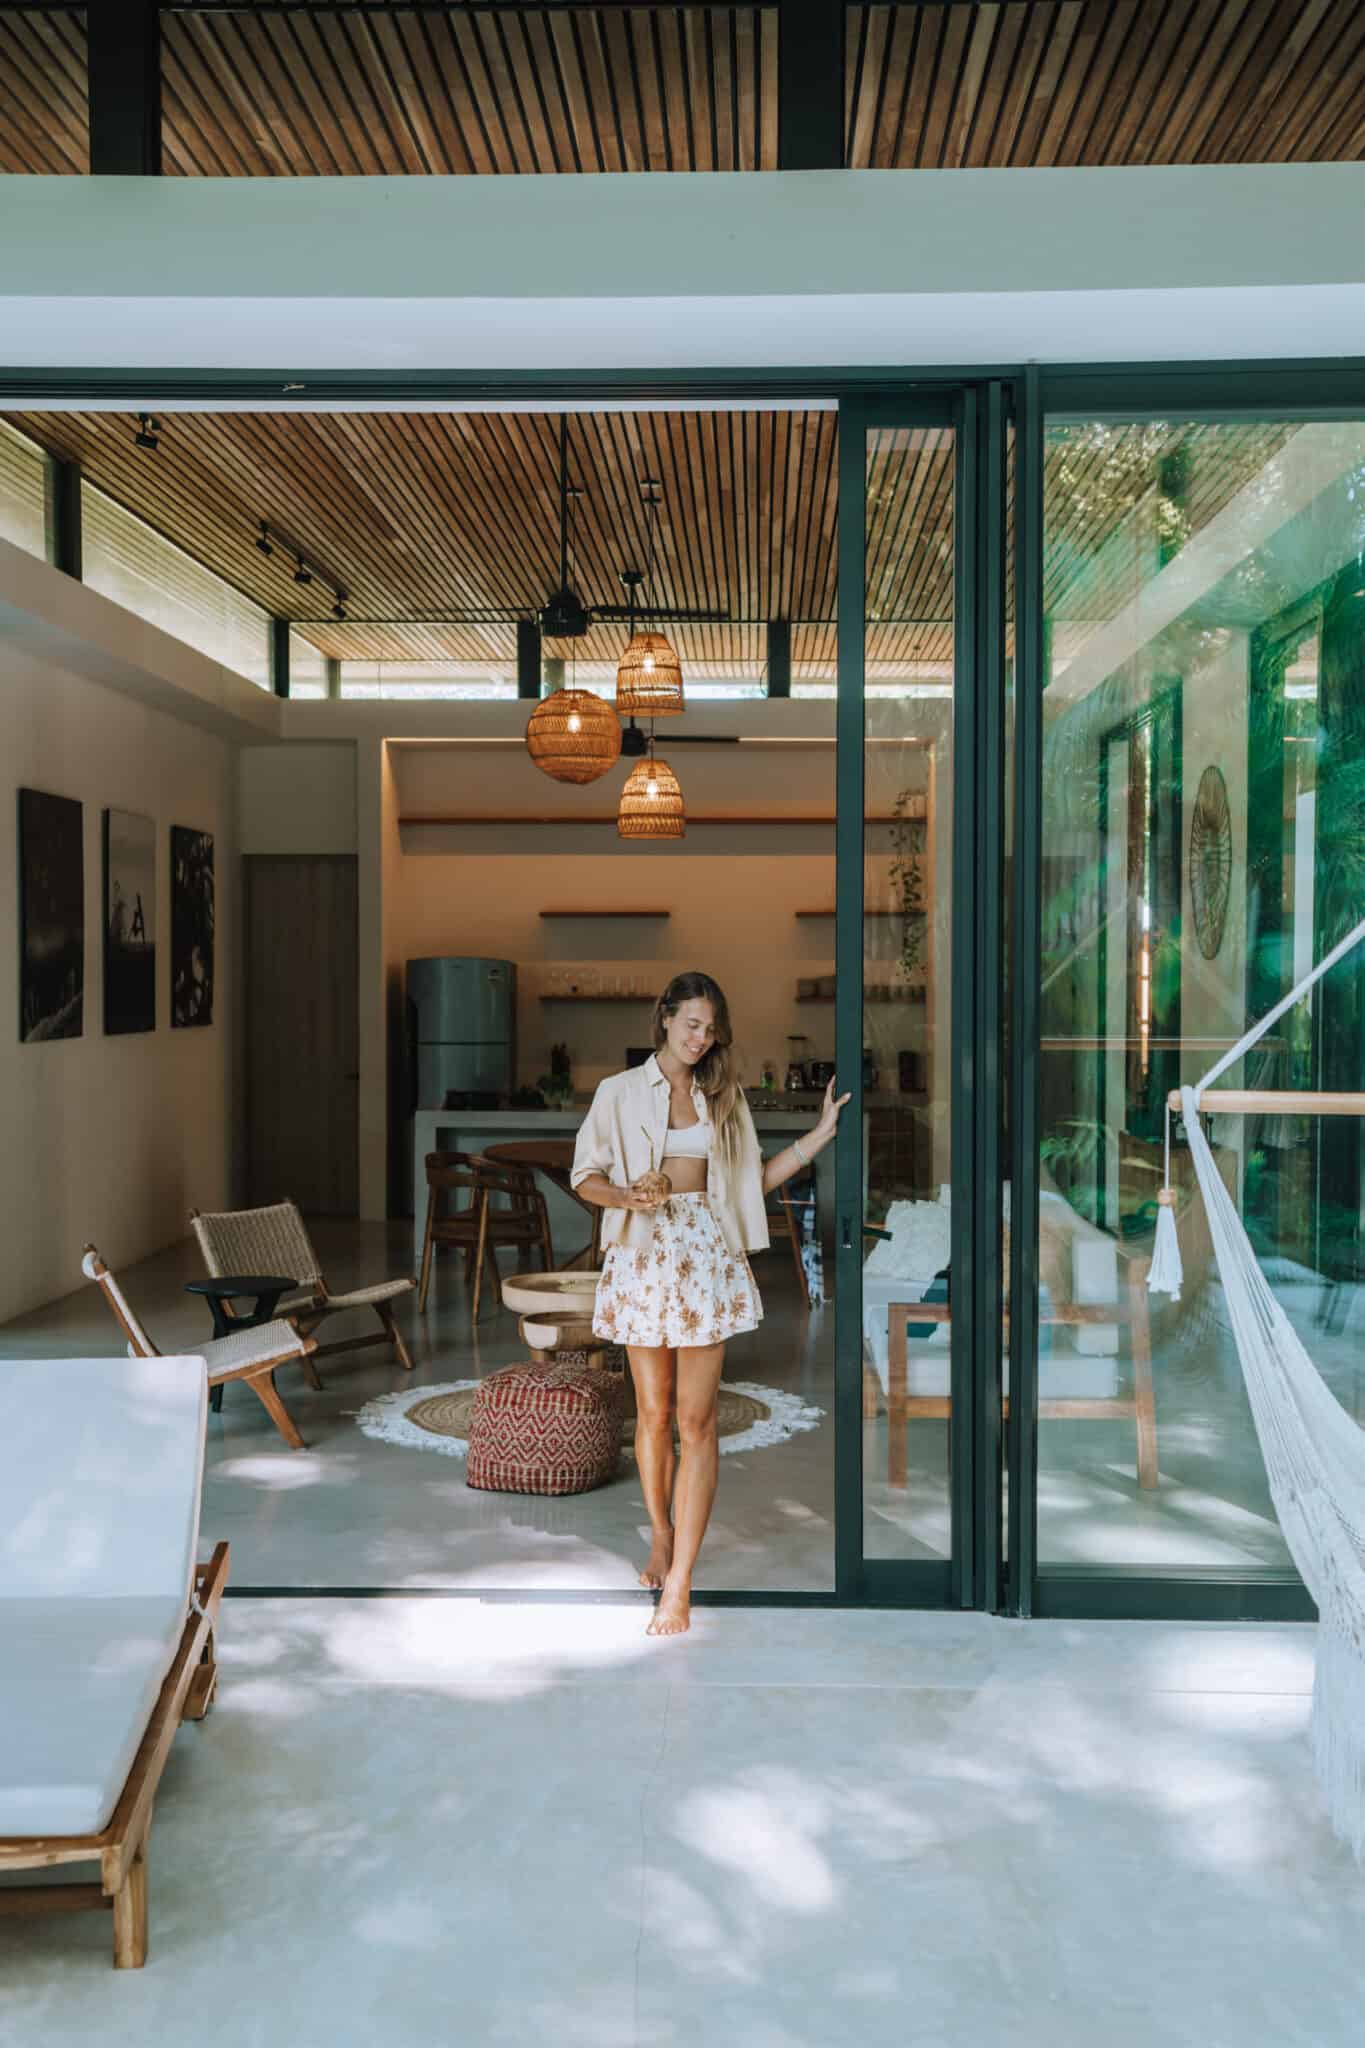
{"points": [[140, 1344], [270, 1240]]}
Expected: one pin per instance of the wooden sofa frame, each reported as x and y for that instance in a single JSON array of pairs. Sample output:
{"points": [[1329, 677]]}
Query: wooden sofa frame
{"points": [[121, 1848]]}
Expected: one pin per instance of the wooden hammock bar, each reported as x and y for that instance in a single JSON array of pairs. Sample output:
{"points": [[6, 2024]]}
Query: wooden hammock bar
{"points": [[1272, 1102]]}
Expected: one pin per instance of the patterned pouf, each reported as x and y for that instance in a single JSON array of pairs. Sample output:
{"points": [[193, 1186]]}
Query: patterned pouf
{"points": [[545, 1427]]}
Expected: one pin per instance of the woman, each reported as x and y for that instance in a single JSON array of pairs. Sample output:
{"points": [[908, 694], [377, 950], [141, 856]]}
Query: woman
{"points": [[676, 1283]]}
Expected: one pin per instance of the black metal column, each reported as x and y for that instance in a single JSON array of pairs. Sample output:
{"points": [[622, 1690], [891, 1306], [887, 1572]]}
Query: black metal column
{"points": [[810, 85], [1025, 997], [125, 88], [279, 657], [849, 832], [779, 658], [64, 549], [977, 1106], [528, 657]]}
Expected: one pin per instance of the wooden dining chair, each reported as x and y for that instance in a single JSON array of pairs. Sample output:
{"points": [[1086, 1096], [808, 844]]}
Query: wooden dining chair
{"points": [[787, 1207], [504, 1207]]}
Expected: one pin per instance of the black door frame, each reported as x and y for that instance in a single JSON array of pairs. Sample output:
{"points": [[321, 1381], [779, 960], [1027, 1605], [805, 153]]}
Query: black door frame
{"points": [[979, 412], [1006, 1072]]}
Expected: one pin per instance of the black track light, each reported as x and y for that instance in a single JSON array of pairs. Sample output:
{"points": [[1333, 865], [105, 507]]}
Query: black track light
{"points": [[263, 544], [146, 435], [339, 608], [301, 574]]}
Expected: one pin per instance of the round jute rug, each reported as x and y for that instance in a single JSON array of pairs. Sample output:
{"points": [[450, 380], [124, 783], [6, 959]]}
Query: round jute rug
{"points": [[437, 1418]]}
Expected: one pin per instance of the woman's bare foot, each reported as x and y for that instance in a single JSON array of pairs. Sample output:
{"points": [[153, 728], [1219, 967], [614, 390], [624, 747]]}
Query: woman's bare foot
{"points": [[660, 1558], [673, 1615]]}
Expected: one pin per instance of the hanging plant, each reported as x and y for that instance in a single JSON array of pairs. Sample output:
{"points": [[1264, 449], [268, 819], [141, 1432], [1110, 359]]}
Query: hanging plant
{"points": [[907, 882]]}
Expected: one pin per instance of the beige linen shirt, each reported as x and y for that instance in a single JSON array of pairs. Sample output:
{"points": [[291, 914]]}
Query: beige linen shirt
{"points": [[628, 1113]]}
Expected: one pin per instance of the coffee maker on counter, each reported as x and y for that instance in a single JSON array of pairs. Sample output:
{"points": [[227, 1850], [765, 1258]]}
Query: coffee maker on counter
{"points": [[796, 1063]]}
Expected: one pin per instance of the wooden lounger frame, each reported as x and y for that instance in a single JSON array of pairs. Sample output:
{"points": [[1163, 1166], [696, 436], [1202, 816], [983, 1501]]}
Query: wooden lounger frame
{"points": [[1139, 1408], [121, 1848]]}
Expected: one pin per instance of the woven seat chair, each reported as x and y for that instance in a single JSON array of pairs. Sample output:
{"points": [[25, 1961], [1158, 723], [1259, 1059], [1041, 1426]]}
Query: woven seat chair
{"points": [[275, 1240], [249, 1355]]}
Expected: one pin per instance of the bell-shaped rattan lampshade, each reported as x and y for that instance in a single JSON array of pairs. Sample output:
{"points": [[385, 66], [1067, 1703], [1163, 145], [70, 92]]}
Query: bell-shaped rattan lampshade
{"points": [[649, 682], [651, 803], [573, 736]]}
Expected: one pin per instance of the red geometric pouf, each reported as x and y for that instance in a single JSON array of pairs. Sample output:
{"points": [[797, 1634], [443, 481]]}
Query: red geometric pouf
{"points": [[545, 1427]]}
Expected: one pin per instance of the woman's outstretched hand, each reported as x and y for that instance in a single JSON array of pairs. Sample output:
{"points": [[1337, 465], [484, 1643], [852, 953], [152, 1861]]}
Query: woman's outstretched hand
{"points": [[829, 1113]]}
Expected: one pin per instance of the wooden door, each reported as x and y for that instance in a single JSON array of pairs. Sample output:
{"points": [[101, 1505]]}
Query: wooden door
{"points": [[302, 1058]]}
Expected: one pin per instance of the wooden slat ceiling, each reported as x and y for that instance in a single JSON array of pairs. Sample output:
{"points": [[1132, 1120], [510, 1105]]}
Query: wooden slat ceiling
{"points": [[418, 513], [309, 91], [442, 513]]}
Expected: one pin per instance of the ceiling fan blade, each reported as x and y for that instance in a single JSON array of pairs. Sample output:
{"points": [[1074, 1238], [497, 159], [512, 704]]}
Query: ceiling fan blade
{"points": [[670, 614]]}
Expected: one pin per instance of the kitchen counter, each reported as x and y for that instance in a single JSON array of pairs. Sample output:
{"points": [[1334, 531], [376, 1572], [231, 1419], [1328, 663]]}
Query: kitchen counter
{"points": [[471, 1130]]}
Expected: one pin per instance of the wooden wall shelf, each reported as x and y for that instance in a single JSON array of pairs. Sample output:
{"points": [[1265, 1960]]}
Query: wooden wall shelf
{"points": [[606, 913], [597, 999], [913, 995]]}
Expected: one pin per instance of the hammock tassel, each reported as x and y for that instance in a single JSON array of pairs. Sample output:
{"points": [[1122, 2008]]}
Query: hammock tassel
{"points": [[1166, 1273]]}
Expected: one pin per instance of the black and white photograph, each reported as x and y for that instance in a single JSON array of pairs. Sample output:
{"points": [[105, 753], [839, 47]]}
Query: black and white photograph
{"points": [[191, 927], [51, 917], [129, 922]]}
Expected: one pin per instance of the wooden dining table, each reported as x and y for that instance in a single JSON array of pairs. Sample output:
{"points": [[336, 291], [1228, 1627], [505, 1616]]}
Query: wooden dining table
{"points": [[554, 1158]]}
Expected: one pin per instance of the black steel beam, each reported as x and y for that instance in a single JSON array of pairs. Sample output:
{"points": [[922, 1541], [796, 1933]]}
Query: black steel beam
{"points": [[125, 89], [528, 657], [779, 658], [810, 86], [63, 496], [279, 656]]}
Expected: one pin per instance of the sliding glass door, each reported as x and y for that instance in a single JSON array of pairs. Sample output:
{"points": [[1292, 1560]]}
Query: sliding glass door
{"points": [[921, 686]]}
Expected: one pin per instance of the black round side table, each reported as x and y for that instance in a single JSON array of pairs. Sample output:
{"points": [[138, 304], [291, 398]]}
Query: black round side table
{"points": [[265, 1288]]}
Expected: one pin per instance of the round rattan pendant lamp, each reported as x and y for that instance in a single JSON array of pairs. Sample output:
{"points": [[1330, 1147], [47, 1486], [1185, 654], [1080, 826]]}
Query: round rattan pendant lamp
{"points": [[573, 735], [649, 681], [651, 802]]}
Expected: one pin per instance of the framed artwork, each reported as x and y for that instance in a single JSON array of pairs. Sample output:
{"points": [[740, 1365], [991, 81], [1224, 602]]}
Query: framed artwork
{"points": [[1210, 861], [129, 922], [191, 927], [51, 916]]}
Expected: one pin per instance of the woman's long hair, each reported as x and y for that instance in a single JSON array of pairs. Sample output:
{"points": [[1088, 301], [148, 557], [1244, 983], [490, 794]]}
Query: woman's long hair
{"points": [[715, 1071]]}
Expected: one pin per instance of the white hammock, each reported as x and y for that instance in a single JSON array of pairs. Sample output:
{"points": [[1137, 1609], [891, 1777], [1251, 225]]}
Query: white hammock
{"points": [[1314, 1452]]}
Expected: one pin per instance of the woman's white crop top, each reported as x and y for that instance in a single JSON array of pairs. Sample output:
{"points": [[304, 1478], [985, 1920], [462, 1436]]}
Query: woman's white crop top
{"points": [[692, 1143]]}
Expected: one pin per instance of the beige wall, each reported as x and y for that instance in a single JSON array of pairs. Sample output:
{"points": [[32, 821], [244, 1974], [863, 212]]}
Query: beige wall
{"points": [[111, 1139]]}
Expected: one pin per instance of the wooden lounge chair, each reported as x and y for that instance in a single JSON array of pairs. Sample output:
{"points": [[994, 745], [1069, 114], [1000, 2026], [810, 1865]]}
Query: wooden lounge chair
{"points": [[108, 1622], [250, 1355], [1137, 1406], [275, 1240]]}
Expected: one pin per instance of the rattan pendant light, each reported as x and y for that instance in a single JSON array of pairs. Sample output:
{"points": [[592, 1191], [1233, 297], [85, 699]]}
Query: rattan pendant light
{"points": [[573, 735], [651, 802], [649, 681]]}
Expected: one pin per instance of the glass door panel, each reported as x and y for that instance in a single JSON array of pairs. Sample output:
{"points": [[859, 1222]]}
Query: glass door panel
{"points": [[909, 638]]}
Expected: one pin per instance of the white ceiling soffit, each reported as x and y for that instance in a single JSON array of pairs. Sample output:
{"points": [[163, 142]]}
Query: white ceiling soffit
{"points": [[784, 270]]}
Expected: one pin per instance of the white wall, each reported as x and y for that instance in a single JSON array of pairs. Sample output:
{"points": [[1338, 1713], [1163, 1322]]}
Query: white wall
{"points": [[298, 799], [110, 1139], [795, 267]]}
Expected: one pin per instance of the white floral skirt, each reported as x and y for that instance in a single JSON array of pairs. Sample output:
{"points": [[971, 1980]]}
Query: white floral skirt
{"points": [[686, 1287]]}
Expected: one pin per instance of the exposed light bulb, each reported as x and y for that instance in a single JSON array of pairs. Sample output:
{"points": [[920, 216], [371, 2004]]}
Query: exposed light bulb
{"points": [[648, 664], [574, 721], [651, 787]]}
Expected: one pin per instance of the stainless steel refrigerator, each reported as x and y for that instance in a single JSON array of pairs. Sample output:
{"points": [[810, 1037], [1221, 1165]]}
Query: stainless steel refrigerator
{"points": [[462, 1025]]}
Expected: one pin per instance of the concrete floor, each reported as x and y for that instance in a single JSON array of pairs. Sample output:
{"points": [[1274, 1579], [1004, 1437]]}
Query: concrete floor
{"points": [[351, 1512], [410, 1821]]}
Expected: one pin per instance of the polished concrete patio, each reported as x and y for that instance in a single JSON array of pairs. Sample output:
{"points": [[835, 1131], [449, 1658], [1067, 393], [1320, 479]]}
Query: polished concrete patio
{"points": [[414, 1820]]}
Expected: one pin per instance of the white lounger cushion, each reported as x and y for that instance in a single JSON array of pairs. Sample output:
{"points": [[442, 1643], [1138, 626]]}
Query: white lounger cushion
{"points": [[101, 1465], [79, 1681]]}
